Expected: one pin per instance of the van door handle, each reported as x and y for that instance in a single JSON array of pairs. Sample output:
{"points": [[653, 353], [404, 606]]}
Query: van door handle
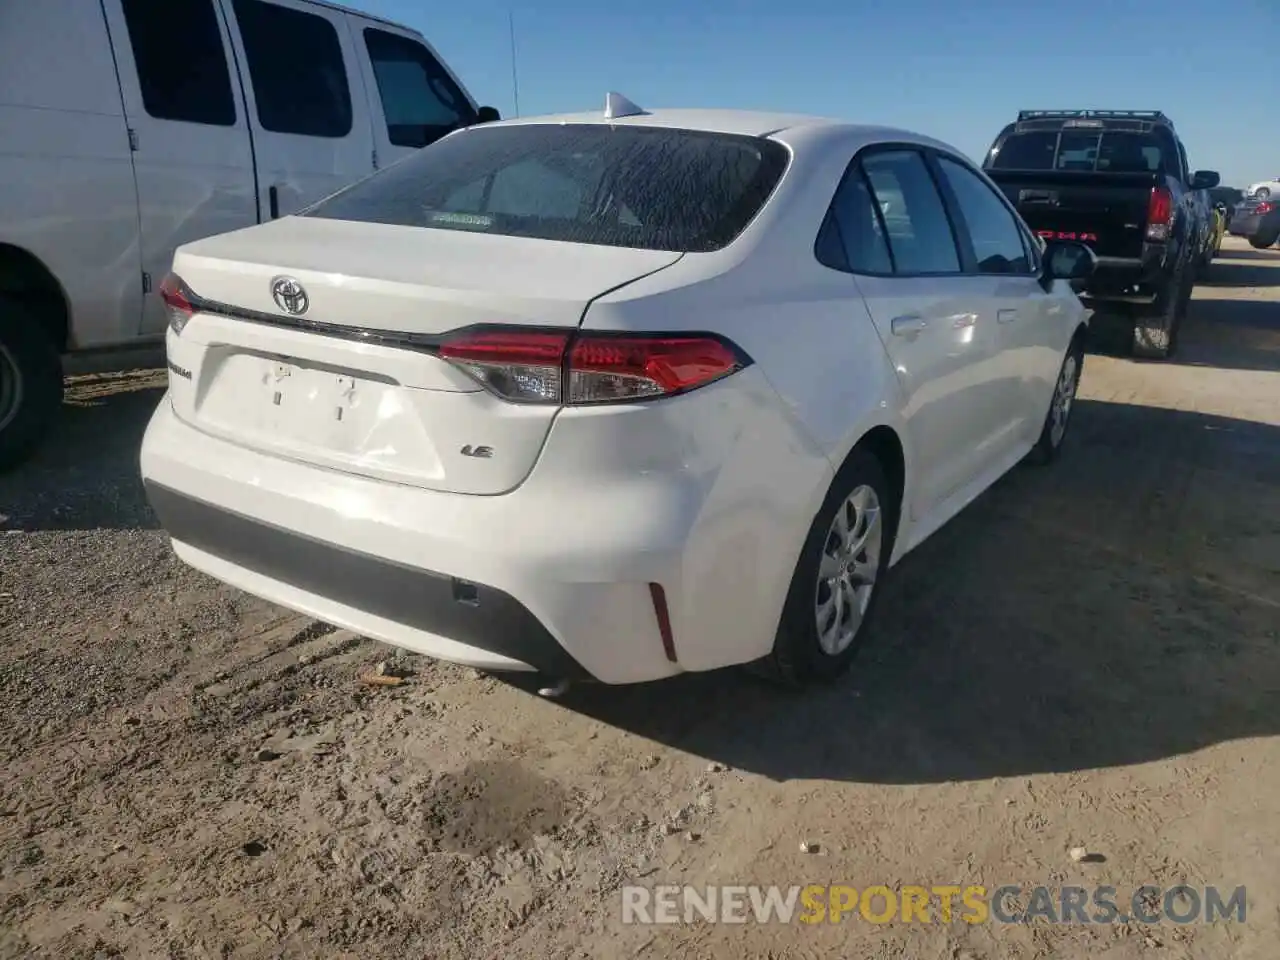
{"points": [[1006, 316], [907, 325], [273, 201]]}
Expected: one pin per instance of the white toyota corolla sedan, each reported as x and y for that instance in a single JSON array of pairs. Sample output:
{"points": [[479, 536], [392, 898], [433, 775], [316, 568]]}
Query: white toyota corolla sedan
{"points": [[612, 396]]}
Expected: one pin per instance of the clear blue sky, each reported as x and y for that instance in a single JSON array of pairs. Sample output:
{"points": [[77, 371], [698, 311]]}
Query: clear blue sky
{"points": [[955, 69]]}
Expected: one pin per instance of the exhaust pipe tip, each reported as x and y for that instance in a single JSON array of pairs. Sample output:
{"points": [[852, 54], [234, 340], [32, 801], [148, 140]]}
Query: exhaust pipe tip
{"points": [[554, 690]]}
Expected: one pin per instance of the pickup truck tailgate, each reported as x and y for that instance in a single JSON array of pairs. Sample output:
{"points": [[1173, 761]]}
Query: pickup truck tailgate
{"points": [[1108, 211]]}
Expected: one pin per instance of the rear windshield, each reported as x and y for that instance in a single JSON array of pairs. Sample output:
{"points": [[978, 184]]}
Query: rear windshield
{"points": [[1115, 151], [655, 188]]}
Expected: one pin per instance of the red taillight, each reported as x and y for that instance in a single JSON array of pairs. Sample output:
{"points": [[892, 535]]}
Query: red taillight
{"points": [[602, 369], [1159, 213], [177, 299], [1264, 207], [532, 366]]}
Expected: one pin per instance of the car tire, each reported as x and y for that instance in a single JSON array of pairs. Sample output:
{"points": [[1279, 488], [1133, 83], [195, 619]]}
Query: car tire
{"points": [[1058, 418], [1263, 193], [837, 578], [30, 383], [1155, 334], [1261, 242]]}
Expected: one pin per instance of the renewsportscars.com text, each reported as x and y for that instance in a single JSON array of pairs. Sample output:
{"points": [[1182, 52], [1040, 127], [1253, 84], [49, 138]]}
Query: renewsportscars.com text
{"points": [[972, 904]]}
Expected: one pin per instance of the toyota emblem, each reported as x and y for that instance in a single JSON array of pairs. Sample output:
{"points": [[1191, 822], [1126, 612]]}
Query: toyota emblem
{"points": [[289, 295]]}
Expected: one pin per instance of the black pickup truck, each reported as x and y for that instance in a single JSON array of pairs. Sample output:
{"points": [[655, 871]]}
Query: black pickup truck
{"points": [[1118, 181]]}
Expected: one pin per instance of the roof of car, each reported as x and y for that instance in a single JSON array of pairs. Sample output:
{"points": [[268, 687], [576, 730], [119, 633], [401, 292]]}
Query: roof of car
{"points": [[752, 123]]}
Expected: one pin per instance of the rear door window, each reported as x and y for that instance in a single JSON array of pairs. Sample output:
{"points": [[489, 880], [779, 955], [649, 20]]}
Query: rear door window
{"points": [[915, 221], [420, 101], [181, 61], [296, 66], [647, 187]]}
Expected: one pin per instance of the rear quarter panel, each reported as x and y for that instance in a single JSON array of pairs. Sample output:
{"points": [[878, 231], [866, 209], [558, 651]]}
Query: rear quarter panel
{"points": [[821, 381]]}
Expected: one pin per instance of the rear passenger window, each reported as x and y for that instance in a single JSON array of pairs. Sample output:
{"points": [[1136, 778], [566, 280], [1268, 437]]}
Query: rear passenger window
{"points": [[852, 238], [420, 101], [296, 67], [916, 222], [181, 61], [997, 241]]}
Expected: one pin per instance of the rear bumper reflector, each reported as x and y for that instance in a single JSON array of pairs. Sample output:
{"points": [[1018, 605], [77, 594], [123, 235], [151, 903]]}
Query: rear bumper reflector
{"points": [[664, 620]]}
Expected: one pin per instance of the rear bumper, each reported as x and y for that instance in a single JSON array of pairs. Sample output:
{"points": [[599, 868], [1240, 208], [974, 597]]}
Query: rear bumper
{"points": [[557, 575], [1244, 226], [1126, 280], [492, 582]]}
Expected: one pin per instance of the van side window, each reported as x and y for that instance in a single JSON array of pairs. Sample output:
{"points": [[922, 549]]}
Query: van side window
{"points": [[419, 99], [295, 63], [186, 80]]}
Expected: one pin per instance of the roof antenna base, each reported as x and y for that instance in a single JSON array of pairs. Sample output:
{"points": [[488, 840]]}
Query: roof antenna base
{"points": [[617, 106]]}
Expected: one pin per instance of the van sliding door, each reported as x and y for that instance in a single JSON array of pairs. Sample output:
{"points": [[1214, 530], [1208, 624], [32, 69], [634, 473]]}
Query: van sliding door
{"points": [[307, 103], [187, 127]]}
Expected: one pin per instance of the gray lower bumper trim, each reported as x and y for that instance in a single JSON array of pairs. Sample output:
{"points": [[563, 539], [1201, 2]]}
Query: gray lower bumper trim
{"points": [[470, 613]]}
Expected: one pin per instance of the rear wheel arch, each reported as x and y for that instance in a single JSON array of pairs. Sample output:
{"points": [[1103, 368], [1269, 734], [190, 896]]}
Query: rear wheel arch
{"points": [[25, 279], [877, 458], [883, 442]]}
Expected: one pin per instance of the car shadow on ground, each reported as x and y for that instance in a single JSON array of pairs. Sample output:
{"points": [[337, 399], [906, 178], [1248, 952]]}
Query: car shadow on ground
{"points": [[1260, 273], [1270, 254], [1113, 610], [85, 476], [1229, 333], [1233, 334]]}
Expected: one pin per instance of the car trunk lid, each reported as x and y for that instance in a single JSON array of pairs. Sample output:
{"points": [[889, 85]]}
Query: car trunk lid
{"points": [[350, 381]]}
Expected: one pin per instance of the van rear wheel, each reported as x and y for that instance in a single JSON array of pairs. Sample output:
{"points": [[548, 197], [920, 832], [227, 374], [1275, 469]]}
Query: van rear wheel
{"points": [[30, 383]]}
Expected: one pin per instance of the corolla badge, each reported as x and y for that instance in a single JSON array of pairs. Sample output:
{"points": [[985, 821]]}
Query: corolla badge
{"points": [[289, 295]]}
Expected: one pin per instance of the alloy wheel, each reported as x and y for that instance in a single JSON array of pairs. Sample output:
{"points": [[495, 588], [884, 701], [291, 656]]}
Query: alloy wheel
{"points": [[1064, 396], [847, 569]]}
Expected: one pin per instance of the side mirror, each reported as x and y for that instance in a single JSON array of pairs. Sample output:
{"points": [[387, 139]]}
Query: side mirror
{"points": [[1205, 179], [1068, 260], [487, 115]]}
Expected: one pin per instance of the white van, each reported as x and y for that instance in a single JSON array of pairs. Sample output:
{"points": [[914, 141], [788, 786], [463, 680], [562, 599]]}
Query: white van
{"points": [[128, 127]]}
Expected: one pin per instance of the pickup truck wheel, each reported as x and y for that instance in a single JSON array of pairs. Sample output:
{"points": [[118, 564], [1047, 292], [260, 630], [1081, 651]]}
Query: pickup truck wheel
{"points": [[1155, 334], [1262, 241], [30, 383]]}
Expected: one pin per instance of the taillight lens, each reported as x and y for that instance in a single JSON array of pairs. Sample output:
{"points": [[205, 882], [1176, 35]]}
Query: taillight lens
{"points": [[1264, 207], [1159, 213], [524, 366], [531, 366], [177, 299]]}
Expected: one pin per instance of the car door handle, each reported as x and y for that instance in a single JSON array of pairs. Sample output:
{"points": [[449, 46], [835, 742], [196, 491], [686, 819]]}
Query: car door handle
{"points": [[905, 326], [1006, 316]]}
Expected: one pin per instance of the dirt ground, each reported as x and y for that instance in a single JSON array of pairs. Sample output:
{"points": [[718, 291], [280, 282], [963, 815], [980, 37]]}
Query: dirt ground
{"points": [[1089, 656]]}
